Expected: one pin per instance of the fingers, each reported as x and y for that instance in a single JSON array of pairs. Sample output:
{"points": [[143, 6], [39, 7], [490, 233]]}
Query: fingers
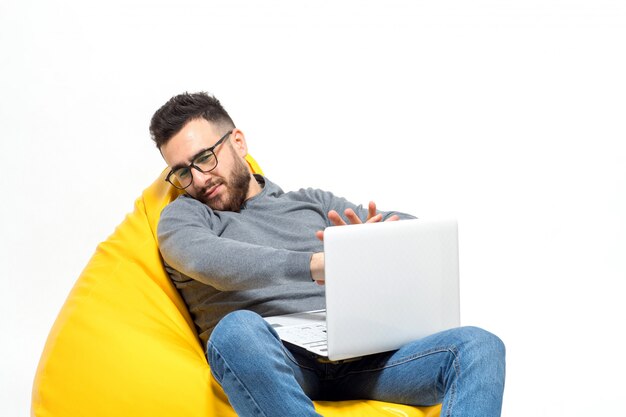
{"points": [[335, 218], [372, 217], [338, 221], [371, 210], [375, 219], [352, 217]]}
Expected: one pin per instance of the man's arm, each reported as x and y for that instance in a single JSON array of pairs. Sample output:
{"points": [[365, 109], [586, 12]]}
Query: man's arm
{"points": [[317, 268], [188, 245]]}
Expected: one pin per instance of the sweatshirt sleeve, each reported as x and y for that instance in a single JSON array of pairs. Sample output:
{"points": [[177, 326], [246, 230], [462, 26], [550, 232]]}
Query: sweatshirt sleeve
{"points": [[189, 245], [332, 202]]}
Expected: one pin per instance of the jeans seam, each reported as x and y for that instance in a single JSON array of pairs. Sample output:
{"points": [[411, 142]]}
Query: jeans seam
{"points": [[404, 360], [228, 369], [457, 371], [456, 366]]}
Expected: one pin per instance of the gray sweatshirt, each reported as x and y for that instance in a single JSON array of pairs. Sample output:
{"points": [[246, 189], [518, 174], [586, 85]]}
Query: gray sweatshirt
{"points": [[257, 259]]}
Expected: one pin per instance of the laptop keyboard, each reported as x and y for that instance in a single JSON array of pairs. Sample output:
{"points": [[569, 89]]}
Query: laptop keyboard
{"points": [[309, 335]]}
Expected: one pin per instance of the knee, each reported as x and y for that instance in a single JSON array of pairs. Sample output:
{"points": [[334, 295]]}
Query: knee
{"points": [[240, 343], [486, 341], [482, 344], [237, 329], [477, 342]]}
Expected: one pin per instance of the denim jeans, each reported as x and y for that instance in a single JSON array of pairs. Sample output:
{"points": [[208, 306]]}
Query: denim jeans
{"points": [[462, 368]]}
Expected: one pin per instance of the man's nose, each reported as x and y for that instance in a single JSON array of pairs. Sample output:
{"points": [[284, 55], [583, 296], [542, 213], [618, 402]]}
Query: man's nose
{"points": [[199, 178]]}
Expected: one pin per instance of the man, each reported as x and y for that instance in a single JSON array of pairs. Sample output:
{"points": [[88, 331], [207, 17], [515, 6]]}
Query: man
{"points": [[238, 248]]}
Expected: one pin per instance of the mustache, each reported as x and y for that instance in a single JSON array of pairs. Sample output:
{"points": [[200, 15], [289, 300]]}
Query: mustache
{"points": [[212, 184]]}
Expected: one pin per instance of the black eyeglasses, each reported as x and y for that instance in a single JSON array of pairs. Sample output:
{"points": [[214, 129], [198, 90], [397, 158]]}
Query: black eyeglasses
{"points": [[205, 161]]}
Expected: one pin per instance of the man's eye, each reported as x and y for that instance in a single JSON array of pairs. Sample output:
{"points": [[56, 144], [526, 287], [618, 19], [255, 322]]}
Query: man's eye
{"points": [[204, 158], [182, 173]]}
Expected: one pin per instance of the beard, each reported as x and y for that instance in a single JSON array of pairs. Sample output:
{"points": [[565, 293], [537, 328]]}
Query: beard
{"points": [[235, 189]]}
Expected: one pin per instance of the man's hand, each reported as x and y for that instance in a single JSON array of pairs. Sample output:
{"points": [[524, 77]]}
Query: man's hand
{"points": [[317, 260], [372, 217]]}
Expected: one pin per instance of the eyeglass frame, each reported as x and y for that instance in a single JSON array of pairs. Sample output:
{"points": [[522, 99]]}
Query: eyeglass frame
{"points": [[193, 165]]}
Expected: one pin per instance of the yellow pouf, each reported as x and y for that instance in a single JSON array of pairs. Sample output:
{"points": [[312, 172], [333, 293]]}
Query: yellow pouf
{"points": [[125, 345]]}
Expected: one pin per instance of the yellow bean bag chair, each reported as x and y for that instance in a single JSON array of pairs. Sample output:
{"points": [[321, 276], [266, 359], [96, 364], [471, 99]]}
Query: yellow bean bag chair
{"points": [[124, 343]]}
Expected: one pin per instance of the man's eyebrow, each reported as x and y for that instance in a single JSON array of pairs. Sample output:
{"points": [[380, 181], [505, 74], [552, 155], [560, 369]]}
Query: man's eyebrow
{"points": [[186, 165]]}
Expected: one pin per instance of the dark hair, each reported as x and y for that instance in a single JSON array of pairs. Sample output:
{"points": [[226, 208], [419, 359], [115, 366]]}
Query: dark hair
{"points": [[180, 109]]}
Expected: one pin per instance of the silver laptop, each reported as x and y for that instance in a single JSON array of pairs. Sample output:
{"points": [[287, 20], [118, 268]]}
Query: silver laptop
{"points": [[387, 284]]}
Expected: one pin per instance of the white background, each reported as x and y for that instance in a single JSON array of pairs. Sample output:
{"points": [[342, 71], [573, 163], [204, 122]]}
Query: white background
{"points": [[507, 115]]}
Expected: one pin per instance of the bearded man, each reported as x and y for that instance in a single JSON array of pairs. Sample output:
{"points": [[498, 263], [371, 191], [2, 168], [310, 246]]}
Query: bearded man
{"points": [[239, 248]]}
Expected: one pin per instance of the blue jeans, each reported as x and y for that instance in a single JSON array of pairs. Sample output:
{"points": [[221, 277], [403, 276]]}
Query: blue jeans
{"points": [[462, 368]]}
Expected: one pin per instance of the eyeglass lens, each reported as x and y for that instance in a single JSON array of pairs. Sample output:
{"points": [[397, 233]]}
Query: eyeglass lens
{"points": [[205, 162]]}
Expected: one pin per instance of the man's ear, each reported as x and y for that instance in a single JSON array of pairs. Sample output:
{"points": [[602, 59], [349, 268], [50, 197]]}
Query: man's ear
{"points": [[238, 140]]}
